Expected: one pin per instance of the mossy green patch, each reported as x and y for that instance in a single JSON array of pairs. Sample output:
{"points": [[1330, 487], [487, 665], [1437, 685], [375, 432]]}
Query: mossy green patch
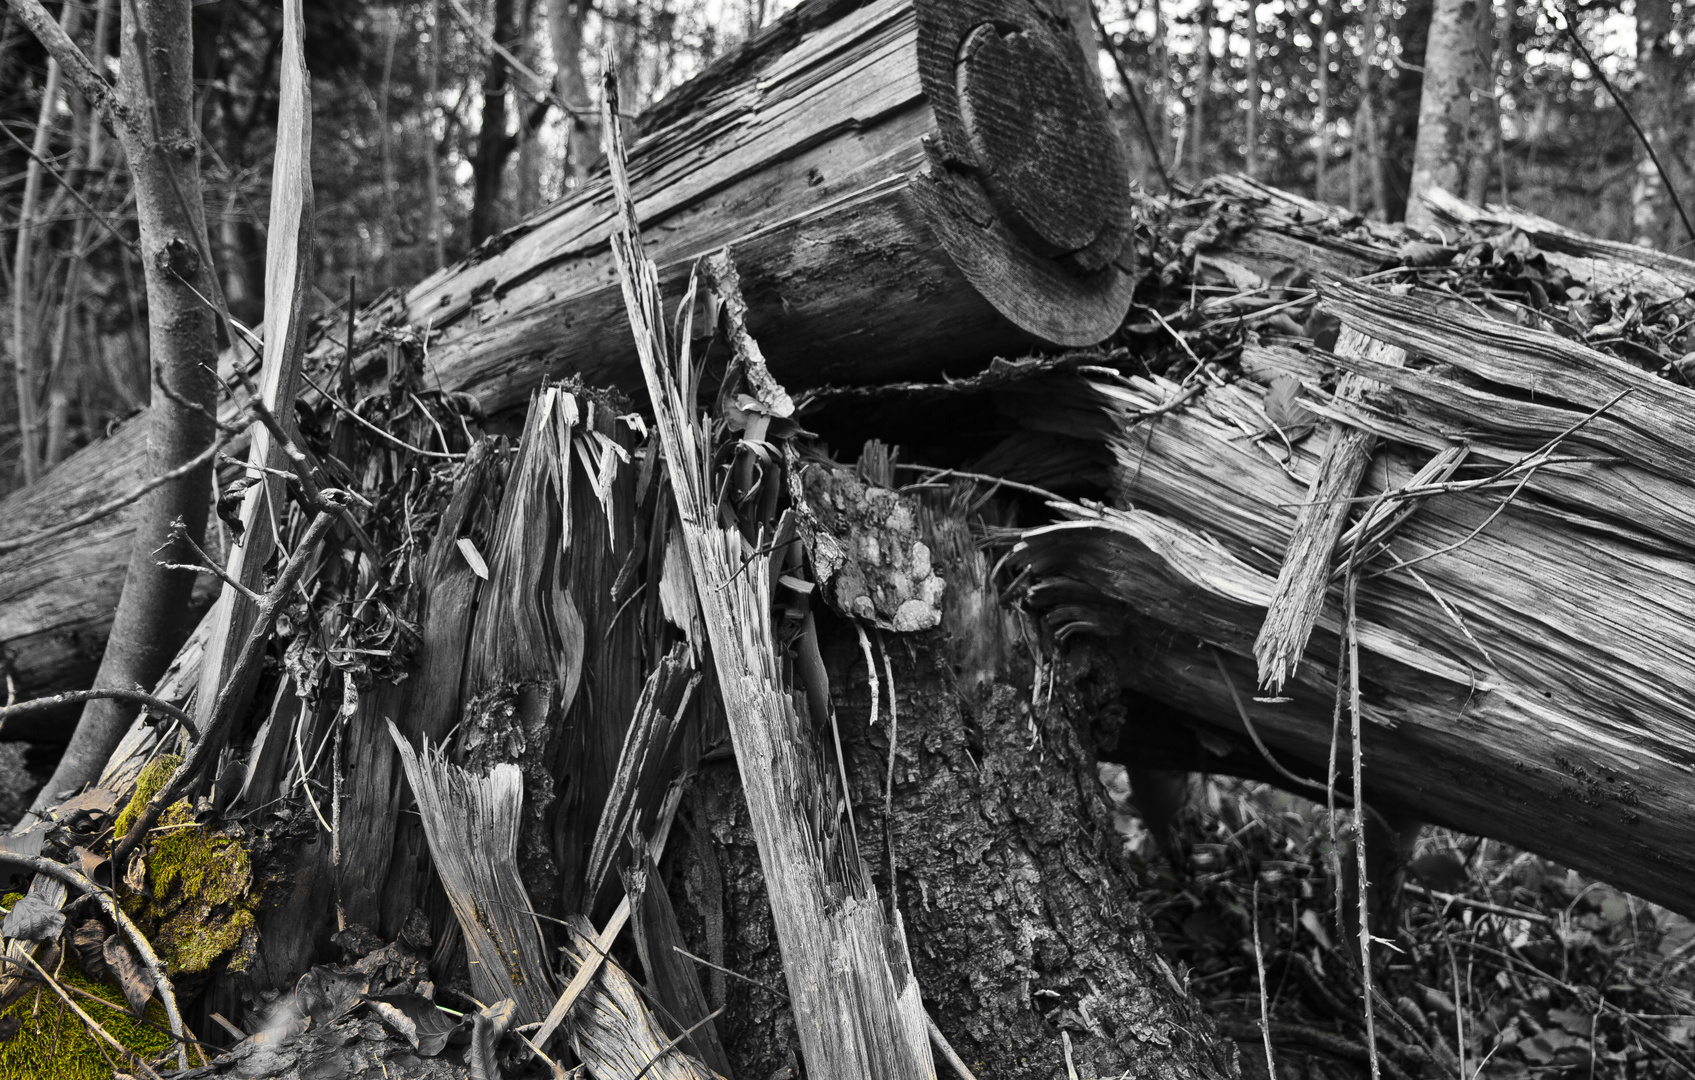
{"points": [[204, 898], [154, 775], [53, 1043]]}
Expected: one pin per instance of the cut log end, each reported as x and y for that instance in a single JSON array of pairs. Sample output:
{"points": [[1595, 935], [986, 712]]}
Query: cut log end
{"points": [[1034, 199]]}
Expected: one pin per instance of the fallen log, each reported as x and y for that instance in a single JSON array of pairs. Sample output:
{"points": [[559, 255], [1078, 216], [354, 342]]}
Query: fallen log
{"points": [[908, 186], [1525, 641]]}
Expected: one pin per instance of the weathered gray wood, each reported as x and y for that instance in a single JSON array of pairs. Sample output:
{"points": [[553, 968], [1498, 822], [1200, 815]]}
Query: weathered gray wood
{"points": [[1304, 579], [858, 1009], [472, 823], [288, 283], [1603, 263], [1531, 684], [879, 233]]}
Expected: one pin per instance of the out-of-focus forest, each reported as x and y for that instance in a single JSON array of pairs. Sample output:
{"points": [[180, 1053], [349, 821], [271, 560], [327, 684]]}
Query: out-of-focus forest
{"points": [[440, 122]]}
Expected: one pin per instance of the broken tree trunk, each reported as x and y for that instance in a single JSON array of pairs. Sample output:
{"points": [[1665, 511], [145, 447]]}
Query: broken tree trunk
{"points": [[1011, 880], [908, 186], [1525, 643]]}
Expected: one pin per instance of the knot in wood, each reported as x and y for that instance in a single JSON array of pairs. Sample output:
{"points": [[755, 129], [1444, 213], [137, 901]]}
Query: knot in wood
{"points": [[1045, 151]]}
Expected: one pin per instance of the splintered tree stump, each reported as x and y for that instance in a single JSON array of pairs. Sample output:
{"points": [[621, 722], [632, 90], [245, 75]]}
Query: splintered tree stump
{"points": [[908, 186], [1012, 886]]}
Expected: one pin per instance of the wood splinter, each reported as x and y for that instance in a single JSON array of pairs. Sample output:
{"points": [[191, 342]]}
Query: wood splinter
{"points": [[1304, 580]]}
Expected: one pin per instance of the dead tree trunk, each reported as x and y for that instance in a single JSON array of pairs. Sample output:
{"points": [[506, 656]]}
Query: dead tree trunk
{"points": [[893, 214], [1523, 677], [1007, 871]]}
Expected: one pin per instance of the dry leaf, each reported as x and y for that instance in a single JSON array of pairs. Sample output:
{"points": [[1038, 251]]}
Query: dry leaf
{"points": [[137, 984], [89, 940], [33, 919], [1285, 411]]}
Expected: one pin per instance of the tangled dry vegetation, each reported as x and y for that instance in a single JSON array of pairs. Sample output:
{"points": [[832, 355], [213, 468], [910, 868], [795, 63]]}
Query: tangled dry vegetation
{"points": [[1502, 964], [1499, 964]]}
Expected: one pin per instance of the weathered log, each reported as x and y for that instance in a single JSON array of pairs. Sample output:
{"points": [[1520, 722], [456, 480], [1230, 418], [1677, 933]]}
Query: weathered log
{"points": [[1526, 679], [908, 186], [1011, 882]]}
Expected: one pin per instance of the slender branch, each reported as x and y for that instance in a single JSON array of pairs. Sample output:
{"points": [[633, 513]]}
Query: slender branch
{"points": [[76, 697], [59, 178], [1665, 177], [149, 959], [134, 495], [252, 652], [395, 440], [1135, 99], [75, 63], [209, 565], [94, 1026]]}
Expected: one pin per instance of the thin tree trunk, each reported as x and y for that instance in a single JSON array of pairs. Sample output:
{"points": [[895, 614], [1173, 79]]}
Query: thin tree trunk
{"points": [[25, 333], [1485, 134], [1657, 95], [87, 160], [494, 145], [432, 166], [1162, 92], [154, 116], [391, 31], [1252, 149], [1368, 144], [529, 198], [1322, 120], [1203, 80], [565, 29], [1445, 108]]}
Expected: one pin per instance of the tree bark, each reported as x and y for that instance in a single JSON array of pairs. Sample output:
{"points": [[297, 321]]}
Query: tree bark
{"points": [[1203, 88], [565, 29], [1450, 108], [1658, 93], [432, 166], [847, 203], [1321, 122], [150, 622], [1484, 142], [1011, 880], [494, 145], [1250, 155]]}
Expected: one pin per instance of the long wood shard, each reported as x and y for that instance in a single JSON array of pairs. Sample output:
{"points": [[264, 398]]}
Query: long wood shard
{"points": [[857, 1006], [1304, 581]]}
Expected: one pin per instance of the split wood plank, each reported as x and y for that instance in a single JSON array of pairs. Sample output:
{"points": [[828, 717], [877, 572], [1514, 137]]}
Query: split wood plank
{"points": [[1303, 583]]}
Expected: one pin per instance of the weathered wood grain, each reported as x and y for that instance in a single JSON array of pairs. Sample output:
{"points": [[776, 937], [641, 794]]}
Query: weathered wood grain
{"points": [[1304, 579], [1543, 700], [876, 241]]}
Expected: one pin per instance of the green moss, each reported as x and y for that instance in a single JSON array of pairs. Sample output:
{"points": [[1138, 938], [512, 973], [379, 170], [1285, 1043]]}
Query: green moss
{"points": [[203, 900], [155, 775], [54, 1044]]}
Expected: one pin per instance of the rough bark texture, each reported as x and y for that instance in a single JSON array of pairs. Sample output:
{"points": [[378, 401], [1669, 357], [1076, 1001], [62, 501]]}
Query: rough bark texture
{"points": [[150, 621], [565, 31], [833, 155], [1659, 93], [1529, 684], [1015, 898], [1450, 108], [494, 145]]}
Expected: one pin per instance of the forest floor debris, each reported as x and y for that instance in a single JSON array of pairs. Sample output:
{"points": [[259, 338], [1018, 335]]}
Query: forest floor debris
{"points": [[1503, 964]]}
